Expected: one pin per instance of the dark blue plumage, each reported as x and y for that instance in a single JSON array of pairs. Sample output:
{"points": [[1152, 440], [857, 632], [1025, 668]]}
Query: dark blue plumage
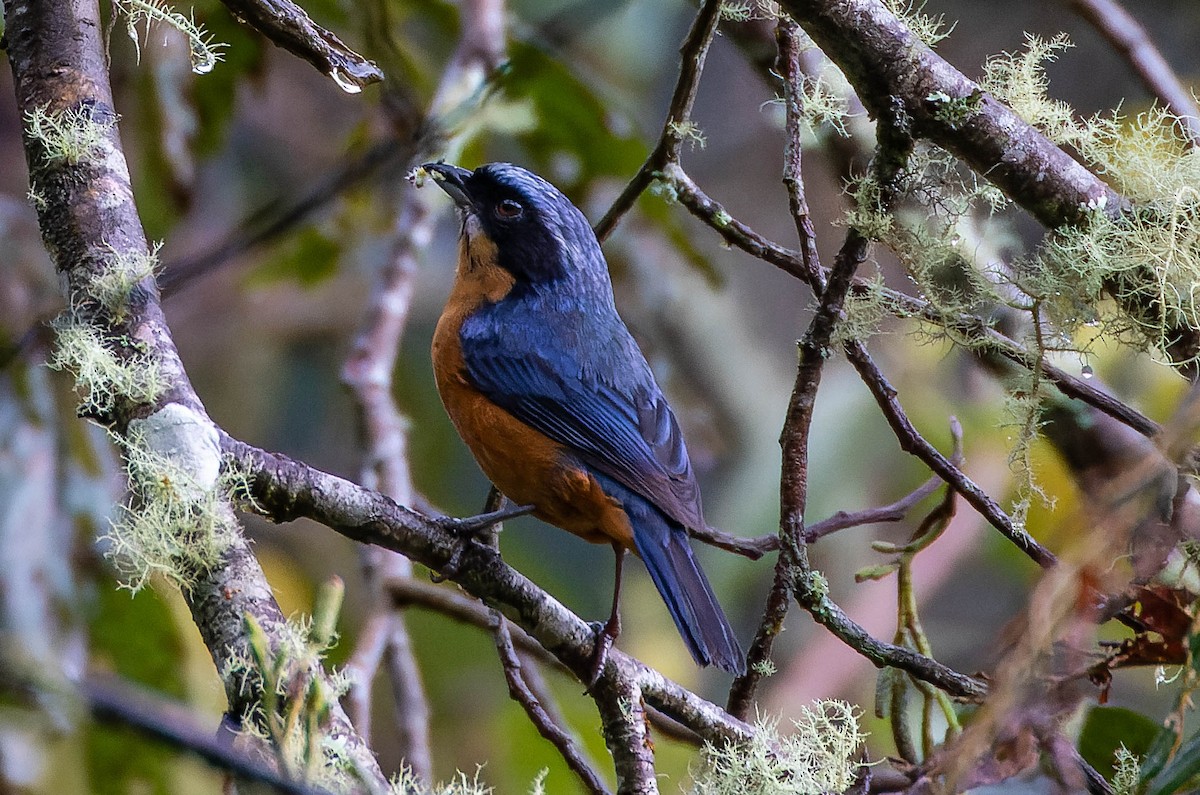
{"points": [[541, 340]]}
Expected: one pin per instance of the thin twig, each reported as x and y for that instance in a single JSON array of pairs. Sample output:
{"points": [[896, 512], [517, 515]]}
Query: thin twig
{"points": [[913, 443], [1130, 39], [811, 592], [813, 354], [794, 480], [691, 63], [754, 548], [546, 726], [894, 512]]}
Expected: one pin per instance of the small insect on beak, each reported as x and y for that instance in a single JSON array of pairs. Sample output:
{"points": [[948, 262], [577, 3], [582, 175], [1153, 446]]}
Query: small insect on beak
{"points": [[453, 180]]}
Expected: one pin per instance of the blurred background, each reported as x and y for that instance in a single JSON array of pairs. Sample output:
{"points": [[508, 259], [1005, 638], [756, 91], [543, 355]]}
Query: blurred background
{"points": [[264, 329]]}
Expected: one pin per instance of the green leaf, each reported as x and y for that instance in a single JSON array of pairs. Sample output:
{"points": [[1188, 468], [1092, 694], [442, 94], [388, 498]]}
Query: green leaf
{"points": [[309, 257], [1107, 728], [1181, 770], [1156, 756]]}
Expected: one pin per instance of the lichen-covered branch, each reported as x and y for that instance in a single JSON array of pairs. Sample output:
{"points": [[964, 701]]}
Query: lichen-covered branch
{"points": [[894, 72], [116, 341], [896, 75], [285, 489]]}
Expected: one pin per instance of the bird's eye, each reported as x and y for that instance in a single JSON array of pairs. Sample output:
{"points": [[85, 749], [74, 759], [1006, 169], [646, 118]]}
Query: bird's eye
{"points": [[509, 209]]}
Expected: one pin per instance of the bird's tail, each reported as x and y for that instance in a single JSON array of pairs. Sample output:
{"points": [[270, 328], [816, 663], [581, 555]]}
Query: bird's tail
{"points": [[664, 548]]}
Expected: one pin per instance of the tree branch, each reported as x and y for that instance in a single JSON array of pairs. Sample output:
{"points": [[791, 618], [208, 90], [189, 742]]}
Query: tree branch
{"points": [[289, 26], [895, 73], [90, 226], [284, 489], [692, 53], [1129, 38]]}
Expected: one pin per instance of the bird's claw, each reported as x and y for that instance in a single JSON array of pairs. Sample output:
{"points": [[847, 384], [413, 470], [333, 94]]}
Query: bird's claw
{"points": [[471, 525], [471, 529], [606, 633]]}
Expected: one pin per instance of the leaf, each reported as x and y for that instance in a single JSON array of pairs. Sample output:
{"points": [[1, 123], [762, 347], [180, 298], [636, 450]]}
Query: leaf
{"points": [[308, 257], [1156, 756], [1181, 770], [1107, 728]]}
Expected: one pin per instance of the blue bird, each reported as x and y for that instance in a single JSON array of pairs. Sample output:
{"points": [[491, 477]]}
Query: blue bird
{"points": [[554, 398]]}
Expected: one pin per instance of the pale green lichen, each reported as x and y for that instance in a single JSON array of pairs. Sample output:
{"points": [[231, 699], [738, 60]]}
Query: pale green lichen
{"points": [[296, 696], [746, 11], [765, 668], [1023, 416], [863, 313], [1019, 80], [408, 783], [688, 132], [36, 199], [177, 522], [822, 103], [1149, 259], [101, 375], [929, 29], [820, 756], [205, 50], [1127, 773], [68, 136], [122, 272]]}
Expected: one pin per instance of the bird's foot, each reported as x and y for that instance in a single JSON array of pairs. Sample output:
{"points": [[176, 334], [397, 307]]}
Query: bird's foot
{"points": [[471, 528], [606, 633]]}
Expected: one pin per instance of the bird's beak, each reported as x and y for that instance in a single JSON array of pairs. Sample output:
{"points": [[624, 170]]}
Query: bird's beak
{"points": [[453, 180]]}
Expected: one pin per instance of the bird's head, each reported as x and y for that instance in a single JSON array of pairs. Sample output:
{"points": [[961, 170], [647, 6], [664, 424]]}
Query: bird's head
{"points": [[538, 234]]}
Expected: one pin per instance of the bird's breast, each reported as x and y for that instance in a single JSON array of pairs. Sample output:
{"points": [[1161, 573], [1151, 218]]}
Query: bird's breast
{"points": [[529, 467]]}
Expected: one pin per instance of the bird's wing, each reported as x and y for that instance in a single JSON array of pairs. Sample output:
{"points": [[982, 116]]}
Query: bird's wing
{"points": [[625, 430]]}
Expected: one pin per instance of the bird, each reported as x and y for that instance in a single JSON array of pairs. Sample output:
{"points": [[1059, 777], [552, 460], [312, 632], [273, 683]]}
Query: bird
{"points": [[554, 398]]}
